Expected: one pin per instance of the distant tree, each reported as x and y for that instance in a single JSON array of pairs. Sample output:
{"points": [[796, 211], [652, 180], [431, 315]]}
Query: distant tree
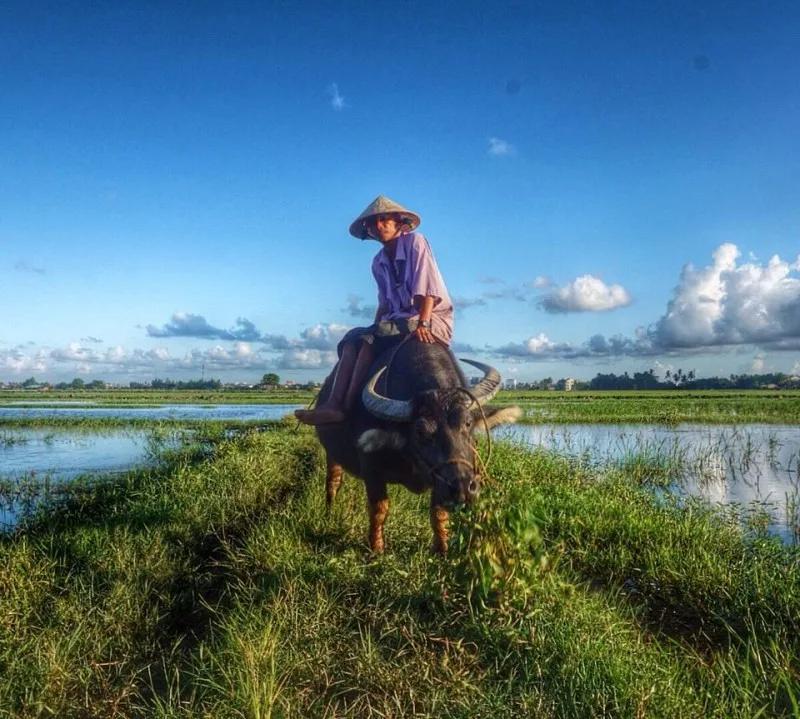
{"points": [[77, 383], [270, 379], [30, 382], [96, 384]]}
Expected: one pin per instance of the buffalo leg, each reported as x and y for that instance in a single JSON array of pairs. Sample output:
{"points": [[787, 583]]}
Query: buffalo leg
{"points": [[378, 509], [332, 480], [439, 519]]}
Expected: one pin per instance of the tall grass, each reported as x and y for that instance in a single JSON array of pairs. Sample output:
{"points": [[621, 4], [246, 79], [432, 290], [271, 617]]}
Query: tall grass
{"points": [[219, 586]]}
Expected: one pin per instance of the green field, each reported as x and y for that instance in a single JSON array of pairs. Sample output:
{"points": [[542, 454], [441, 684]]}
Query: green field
{"points": [[673, 406], [219, 586], [144, 397]]}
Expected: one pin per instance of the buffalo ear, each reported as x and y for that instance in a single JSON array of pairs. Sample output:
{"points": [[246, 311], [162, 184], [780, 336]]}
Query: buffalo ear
{"points": [[498, 415], [374, 440]]}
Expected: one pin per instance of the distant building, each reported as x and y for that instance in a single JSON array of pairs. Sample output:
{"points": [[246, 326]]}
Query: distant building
{"points": [[569, 383], [510, 384]]}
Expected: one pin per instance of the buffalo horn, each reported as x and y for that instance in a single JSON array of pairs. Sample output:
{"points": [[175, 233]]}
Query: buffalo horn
{"points": [[489, 385], [395, 410]]}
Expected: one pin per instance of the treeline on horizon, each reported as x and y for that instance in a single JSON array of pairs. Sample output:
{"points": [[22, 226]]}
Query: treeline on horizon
{"points": [[270, 381], [637, 381], [648, 380]]}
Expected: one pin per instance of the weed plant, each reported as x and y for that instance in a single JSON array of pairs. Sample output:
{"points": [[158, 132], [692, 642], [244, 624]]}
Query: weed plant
{"points": [[217, 585]]}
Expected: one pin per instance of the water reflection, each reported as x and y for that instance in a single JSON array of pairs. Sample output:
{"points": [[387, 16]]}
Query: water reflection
{"points": [[745, 465], [32, 460], [221, 412]]}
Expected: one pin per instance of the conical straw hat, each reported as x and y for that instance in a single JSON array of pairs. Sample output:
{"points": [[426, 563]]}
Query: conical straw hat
{"points": [[382, 205]]}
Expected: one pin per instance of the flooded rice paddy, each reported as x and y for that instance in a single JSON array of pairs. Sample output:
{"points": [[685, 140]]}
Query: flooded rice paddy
{"points": [[193, 412], [751, 467], [742, 466]]}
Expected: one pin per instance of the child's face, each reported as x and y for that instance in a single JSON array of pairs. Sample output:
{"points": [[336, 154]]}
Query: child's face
{"points": [[383, 227]]}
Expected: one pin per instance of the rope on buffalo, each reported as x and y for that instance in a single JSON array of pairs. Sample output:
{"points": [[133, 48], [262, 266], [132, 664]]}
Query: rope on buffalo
{"points": [[485, 426], [475, 453]]}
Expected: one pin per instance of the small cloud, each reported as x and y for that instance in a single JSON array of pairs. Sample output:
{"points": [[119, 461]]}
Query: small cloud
{"points": [[356, 309], [491, 280], [25, 266], [464, 348], [585, 294], [500, 148], [93, 340], [540, 281], [189, 325], [462, 303], [757, 365], [337, 101]]}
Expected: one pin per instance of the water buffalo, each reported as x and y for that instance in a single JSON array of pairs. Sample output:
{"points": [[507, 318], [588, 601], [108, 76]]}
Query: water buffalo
{"points": [[413, 425]]}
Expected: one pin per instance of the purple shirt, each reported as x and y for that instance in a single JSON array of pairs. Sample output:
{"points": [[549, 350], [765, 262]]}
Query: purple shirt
{"points": [[417, 274]]}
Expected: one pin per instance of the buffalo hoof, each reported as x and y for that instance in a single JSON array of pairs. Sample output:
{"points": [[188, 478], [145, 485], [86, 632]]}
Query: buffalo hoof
{"points": [[439, 547], [319, 416]]}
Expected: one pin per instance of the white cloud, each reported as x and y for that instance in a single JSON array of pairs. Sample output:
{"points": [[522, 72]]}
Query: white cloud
{"points": [[337, 101], [728, 304], [322, 336], [500, 148], [585, 294], [16, 360], [307, 359], [721, 307], [757, 365], [661, 369], [540, 344], [158, 353]]}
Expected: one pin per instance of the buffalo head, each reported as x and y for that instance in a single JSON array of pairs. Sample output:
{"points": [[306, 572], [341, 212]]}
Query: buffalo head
{"points": [[436, 428]]}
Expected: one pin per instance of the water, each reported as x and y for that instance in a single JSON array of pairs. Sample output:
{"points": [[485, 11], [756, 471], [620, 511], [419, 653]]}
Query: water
{"points": [[53, 455], [30, 457], [741, 465], [222, 412], [744, 465]]}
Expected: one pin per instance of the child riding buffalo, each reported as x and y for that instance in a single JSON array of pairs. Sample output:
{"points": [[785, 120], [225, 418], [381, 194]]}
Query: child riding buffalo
{"points": [[412, 299]]}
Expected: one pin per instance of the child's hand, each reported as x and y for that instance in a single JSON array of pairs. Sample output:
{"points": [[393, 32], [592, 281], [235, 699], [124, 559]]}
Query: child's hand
{"points": [[424, 334]]}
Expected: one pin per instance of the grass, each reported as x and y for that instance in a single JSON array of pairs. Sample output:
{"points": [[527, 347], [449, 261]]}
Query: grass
{"points": [[670, 407], [219, 586], [150, 398], [110, 424]]}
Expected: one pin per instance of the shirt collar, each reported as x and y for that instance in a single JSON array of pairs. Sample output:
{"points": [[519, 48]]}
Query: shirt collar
{"points": [[399, 252]]}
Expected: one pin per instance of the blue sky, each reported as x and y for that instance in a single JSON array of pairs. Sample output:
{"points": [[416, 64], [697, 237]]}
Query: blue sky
{"points": [[607, 186]]}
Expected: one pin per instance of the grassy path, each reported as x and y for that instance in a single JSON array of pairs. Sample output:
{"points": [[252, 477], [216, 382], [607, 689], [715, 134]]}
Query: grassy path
{"points": [[220, 587]]}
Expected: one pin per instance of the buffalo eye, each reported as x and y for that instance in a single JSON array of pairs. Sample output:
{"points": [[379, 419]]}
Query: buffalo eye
{"points": [[424, 427]]}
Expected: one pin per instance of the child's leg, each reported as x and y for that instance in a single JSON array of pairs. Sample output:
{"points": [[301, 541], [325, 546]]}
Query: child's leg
{"points": [[332, 409], [362, 365]]}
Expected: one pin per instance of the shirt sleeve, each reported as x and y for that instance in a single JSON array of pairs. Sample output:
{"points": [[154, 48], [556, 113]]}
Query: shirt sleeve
{"points": [[426, 280]]}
